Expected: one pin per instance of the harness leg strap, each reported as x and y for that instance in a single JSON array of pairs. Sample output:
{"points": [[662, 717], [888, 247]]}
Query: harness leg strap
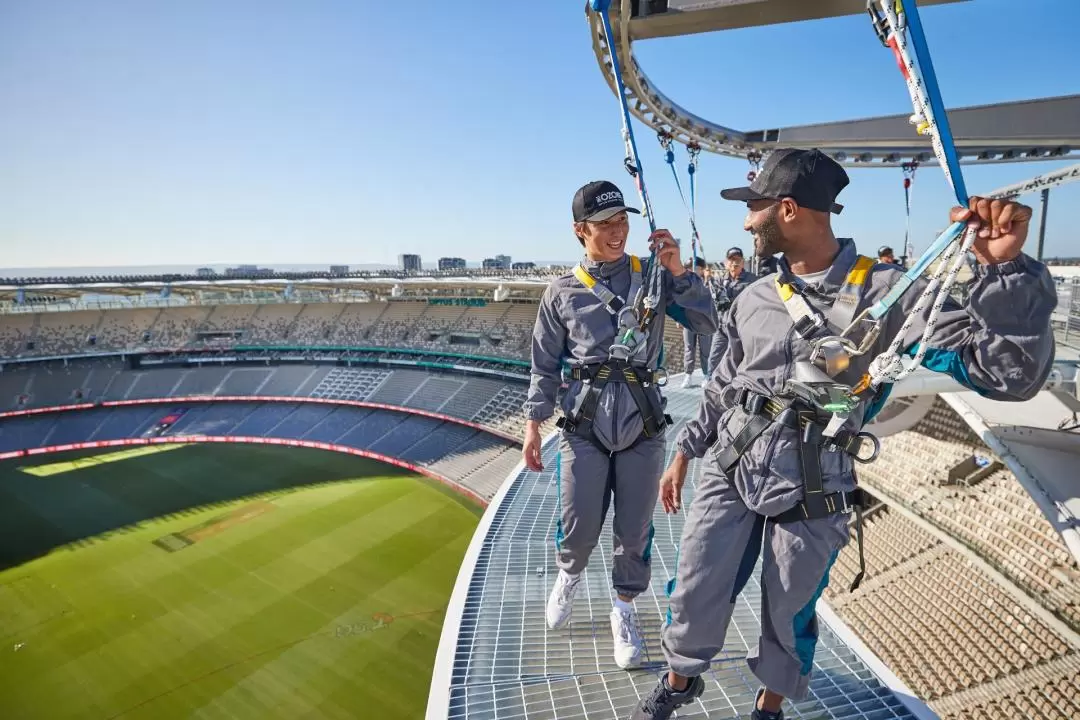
{"points": [[862, 560], [815, 502]]}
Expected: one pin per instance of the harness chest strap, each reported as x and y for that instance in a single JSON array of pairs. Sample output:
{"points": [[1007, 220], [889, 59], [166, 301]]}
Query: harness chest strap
{"points": [[807, 320]]}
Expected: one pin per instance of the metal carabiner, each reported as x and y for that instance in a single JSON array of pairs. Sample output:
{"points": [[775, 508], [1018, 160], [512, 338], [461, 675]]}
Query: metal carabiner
{"points": [[877, 449]]}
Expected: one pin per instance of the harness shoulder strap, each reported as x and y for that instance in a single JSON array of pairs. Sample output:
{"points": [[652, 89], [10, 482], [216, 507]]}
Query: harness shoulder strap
{"points": [[847, 298], [611, 301], [635, 278], [807, 320]]}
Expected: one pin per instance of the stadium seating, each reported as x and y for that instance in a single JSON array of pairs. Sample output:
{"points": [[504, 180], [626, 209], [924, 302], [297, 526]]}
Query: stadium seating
{"points": [[494, 403], [496, 329], [940, 623], [475, 459], [995, 517]]}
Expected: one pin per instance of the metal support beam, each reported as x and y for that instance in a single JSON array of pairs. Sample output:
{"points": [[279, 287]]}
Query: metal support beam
{"points": [[689, 18], [1024, 131]]}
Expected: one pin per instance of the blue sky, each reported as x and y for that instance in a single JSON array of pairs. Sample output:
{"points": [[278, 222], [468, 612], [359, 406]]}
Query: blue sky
{"points": [[266, 131]]}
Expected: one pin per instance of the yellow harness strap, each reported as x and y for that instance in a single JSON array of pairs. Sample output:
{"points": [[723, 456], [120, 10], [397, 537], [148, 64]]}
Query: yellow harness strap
{"points": [[601, 291], [806, 319]]}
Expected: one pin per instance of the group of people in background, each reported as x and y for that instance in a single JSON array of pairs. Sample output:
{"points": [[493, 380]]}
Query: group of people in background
{"points": [[724, 287]]}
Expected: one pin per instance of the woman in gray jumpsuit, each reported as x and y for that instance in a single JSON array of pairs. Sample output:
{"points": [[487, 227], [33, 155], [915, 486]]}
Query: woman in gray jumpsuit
{"points": [[613, 423]]}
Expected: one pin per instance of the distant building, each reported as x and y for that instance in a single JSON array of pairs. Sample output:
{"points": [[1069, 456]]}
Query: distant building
{"points": [[523, 266], [410, 263], [451, 263], [491, 264], [339, 269], [504, 261], [248, 271], [206, 272]]}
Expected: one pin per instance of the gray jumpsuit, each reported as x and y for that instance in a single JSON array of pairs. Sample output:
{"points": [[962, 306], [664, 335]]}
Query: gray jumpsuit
{"points": [[999, 345], [574, 326], [727, 289]]}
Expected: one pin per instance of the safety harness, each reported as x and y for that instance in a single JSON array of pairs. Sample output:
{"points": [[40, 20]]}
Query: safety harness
{"points": [[815, 408], [627, 363]]}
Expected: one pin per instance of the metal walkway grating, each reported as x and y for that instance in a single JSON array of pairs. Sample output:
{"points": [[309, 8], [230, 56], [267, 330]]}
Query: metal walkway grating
{"points": [[507, 664]]}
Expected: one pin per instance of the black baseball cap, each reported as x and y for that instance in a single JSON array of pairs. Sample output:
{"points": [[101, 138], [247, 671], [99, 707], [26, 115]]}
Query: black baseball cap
{"points": [[732, 252], [809, 177], [599, 200], [884, 250]]}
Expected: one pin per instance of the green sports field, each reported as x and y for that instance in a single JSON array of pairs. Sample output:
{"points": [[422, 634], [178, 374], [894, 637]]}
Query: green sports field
{"points": [[222, 581]]}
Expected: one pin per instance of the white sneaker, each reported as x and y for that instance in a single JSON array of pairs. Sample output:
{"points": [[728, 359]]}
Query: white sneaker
{"points": [[561, 600], [686, 381], [627, 641]]}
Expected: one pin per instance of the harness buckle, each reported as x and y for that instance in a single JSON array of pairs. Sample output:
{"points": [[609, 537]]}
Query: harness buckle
{"points": [[807, 324]]}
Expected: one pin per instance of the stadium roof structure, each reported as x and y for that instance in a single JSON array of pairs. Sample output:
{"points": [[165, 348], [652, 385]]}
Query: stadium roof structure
{"points": [[497, 659], [1031, 439], [381, 281], [1024, 131]]}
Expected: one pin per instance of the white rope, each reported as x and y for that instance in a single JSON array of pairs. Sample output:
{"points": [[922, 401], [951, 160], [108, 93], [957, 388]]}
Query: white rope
{"points": [[888, 367]]}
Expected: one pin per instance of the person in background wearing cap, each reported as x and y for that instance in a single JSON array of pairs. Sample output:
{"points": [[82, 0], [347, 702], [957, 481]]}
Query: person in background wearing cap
{"points": [[771, 483], [695, 345], [734, 281], [885, 255], [613, 421]]}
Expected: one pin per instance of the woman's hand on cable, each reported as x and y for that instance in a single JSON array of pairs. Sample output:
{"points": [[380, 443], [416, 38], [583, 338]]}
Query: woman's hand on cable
{"points": [[1002, 228], [530, 450], [671, 483], [667, 251]]}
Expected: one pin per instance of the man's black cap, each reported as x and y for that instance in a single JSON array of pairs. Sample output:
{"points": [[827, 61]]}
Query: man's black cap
{"points": [[735, 251], [884, 250], [809, 177], [598, 201]]}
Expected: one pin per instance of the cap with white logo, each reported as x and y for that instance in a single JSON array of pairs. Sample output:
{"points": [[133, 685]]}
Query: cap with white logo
{"points": [[598, 201]]}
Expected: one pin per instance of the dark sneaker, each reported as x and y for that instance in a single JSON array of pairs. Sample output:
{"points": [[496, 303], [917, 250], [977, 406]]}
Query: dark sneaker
{"points": [[662, 701], [764, 714]]}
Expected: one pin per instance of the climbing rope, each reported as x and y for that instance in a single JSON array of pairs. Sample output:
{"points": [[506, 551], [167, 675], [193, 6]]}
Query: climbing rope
{"points": [[909, 176], [754, 158], [693, 150], [648, 297], [900, 29]]}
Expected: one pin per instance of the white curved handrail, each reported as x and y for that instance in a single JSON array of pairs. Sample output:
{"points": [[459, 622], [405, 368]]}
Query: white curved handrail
{"points": [[442, 673]]}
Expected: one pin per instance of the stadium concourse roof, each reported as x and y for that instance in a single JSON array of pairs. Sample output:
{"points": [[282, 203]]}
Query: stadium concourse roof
{"points": [[70, 287], [497, 659]]}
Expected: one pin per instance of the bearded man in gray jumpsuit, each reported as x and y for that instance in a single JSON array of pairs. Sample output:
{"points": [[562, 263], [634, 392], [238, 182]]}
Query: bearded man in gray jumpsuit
{"points": [[613, 424], [772, 482]]}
